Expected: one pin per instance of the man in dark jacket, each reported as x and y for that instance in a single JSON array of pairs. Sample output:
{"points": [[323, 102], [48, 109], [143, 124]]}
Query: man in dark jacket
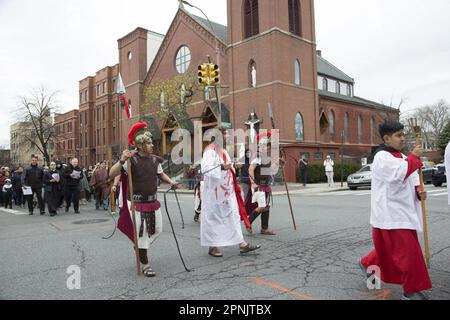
{"points": [[73, 175], [33, 177], [16, 181]]}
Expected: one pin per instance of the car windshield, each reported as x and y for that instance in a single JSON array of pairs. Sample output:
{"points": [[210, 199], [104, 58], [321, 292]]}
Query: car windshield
{"points": [[364, 169]]}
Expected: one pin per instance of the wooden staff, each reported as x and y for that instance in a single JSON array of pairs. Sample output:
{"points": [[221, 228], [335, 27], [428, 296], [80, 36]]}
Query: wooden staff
{"points": [[112, 195], [417, 131], [272, 120], [130, 188], [289, 197]]}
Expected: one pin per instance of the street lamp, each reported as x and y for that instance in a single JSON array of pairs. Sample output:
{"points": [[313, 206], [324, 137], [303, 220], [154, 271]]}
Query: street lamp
{"points": [[218, 91]]}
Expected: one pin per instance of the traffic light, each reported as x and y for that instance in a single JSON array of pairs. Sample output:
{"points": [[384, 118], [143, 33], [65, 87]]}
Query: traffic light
{"points": [[214, 74], [203, 77]]}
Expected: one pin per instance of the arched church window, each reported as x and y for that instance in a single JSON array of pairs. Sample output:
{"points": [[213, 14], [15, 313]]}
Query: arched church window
{"points": [[298, 73], [360, 129], [346, 126], [294, 17], [251, 18], [299, 128], [332, 122]]}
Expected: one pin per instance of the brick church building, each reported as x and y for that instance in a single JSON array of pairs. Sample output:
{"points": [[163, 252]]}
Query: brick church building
{"points": [[268, 55]]}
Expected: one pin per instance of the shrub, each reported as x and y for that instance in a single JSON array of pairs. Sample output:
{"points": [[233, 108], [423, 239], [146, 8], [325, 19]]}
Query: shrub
{"points": [[316, 172]]}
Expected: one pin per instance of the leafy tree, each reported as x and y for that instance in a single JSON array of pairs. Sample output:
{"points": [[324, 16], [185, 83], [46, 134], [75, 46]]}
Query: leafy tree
{"points": [[444, 138]]}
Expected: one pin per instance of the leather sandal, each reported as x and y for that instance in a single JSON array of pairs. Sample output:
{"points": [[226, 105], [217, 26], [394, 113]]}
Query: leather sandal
{"points": [[148, 272], [249, 247], [267, 232], [215, 252]]}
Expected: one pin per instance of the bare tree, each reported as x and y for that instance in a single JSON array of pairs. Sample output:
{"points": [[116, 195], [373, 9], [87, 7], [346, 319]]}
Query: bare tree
{"points": [[433, 119], [37, 110]]}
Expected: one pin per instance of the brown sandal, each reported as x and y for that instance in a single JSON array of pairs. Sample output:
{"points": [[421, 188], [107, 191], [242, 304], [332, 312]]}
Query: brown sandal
{"points": [[148, 272], [215, 252], [249, 247], [268, 232]]}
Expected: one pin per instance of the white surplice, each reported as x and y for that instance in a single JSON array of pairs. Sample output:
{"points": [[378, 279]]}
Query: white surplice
{"points": [[394, 200], [447, 169], [220, 223]]}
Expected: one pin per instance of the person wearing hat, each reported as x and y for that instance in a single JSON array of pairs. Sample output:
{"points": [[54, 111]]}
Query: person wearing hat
{"points": [[261, 178], [145, 168], [222, 204], [8, 193]]}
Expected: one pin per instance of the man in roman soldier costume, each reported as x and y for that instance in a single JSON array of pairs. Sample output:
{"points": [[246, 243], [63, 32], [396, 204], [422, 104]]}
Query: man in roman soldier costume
{"points": [[222, 204], [258, 201], [145, 168]]}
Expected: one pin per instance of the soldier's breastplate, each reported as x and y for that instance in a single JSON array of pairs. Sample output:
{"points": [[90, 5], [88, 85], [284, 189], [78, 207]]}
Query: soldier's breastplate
{"points": [[145, 176], [260, 179]]}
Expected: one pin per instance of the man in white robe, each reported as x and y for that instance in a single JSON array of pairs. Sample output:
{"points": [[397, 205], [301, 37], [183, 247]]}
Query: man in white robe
{"points": [[220, 224]]}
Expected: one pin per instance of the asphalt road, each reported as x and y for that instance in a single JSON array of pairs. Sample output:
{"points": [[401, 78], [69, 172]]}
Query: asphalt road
{"points": [[318, 261]]}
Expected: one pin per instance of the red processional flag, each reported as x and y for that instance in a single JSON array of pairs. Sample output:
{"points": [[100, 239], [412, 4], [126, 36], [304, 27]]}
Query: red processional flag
{"points": [[123, 97]]}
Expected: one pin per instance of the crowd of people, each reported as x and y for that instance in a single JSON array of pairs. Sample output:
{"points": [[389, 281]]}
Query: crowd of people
{"points": [[56, 187]]}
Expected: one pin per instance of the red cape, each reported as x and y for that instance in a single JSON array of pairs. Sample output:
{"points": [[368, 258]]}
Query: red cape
{"points": [[125, 224]]}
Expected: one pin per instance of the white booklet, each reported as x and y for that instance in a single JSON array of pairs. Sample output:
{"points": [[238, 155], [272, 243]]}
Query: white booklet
{"points": [[27, 191]]}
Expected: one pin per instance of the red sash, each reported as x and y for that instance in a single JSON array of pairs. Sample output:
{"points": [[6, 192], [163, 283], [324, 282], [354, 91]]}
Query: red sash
{"points": [[237, 189]]}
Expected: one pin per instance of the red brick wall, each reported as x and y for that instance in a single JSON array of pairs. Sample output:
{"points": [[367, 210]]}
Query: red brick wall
{"points": [[68, 135]]}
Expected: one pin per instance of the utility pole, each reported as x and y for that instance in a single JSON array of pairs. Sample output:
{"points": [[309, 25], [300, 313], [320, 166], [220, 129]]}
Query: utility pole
{"points": [[342, 159]]}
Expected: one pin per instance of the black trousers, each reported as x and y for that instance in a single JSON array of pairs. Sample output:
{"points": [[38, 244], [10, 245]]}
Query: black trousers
{"points": [[143, 256], [7, 198], [72, 194], [304, 176], [38, 192], [52, 198], [18, 197]]}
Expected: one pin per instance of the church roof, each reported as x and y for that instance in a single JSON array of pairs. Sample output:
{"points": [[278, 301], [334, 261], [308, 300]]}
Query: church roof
{"points": [[355, 100], [326, 68], [220, 30]]}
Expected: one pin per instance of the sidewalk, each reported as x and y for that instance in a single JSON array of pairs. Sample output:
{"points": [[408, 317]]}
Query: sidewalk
{"points": [[294, 188]]}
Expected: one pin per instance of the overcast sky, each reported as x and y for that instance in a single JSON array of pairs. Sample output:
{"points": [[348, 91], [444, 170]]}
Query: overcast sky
{"points": [[393, 49]]}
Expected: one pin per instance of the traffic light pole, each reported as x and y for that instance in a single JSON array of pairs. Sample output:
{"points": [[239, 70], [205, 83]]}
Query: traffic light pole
{"points": [[218, 91], [217, 87]]}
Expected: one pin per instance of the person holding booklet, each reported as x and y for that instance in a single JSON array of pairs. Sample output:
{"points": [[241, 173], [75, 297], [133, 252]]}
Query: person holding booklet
{"points": [[52, 181], [32, 180]]}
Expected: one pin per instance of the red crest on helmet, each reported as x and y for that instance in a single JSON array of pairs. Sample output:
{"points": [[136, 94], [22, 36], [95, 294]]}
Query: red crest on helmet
{"points": [[134, 130], [262, 135]]}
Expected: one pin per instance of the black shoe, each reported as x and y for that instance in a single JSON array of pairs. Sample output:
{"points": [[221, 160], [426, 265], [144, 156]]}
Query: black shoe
{"points": [[30, 213], [42, 213], [67, 209], [77, 211], [52, 214]]}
